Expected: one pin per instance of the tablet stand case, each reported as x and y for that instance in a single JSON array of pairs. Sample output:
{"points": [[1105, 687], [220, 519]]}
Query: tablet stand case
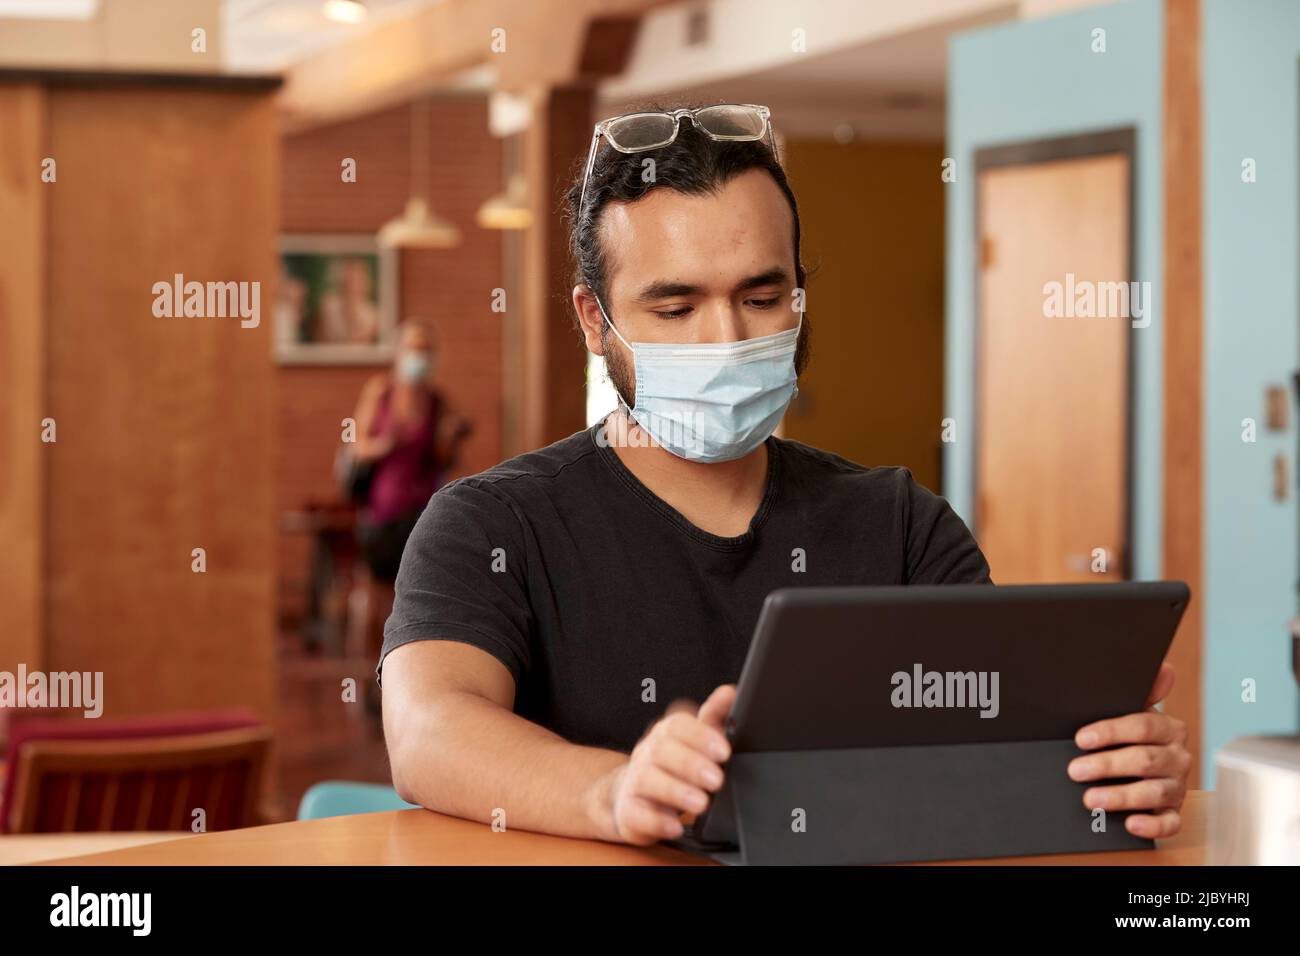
{"points": [[915, 803], [880, 784]]}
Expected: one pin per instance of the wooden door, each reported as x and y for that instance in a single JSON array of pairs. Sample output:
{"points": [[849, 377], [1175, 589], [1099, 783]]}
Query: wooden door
{"points": [[1053, 370]]}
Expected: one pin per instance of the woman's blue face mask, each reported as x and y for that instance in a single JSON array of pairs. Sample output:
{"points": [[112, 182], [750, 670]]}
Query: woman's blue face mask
{"points": [[714, 401], [414, 366]]}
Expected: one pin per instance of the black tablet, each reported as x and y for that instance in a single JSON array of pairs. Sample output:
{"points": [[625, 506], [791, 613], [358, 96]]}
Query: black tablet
{"points": [[834, 668]]}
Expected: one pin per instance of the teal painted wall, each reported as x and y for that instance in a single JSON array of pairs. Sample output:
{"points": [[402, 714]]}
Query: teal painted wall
{"points": [[1251, 61], [1039, 79]]}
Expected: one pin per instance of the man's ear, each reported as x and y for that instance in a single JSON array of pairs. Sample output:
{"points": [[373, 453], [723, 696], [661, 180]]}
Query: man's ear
{"points": [[590, 318]]}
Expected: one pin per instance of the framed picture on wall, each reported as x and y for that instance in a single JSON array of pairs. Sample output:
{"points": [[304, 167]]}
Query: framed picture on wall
{"points": [[337, 300]]}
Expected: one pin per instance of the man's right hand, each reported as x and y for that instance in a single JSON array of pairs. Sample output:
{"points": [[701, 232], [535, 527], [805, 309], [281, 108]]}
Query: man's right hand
{"points": [[671, 771]]}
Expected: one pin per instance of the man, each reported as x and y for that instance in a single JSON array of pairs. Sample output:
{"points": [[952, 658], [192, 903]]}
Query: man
{"points": [[548, 608]]}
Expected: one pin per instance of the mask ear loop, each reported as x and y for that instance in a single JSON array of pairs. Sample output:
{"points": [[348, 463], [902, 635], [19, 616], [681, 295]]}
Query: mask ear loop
{"points": [[614, 327], [610, 322]]}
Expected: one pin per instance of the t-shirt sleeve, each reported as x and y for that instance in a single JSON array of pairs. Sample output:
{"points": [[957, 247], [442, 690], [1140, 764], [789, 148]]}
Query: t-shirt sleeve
{"points": [[940, 548], [462, 578]]}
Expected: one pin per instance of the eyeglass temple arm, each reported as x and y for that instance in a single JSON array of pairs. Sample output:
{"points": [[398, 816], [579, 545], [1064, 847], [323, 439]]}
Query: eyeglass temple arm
{"points": [[591, 161]]}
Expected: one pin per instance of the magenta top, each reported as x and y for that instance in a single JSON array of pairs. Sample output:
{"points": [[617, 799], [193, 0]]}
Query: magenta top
{"points": [[405, 478]]}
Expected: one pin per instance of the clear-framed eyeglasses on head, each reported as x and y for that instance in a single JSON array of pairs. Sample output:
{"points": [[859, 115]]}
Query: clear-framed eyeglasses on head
{"points": [[638, 132]]}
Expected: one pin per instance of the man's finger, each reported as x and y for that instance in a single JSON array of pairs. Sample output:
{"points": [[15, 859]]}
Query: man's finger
{"points": [[687, 762], [1153, 826], [1147, 727], [670, 791], [1163, 685], [1159, 793], [643, 821], [681, 706], [1140, 760]]}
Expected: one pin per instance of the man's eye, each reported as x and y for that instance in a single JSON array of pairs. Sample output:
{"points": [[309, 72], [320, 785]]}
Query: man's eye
{"points": [[675, 313], [764, 303]]}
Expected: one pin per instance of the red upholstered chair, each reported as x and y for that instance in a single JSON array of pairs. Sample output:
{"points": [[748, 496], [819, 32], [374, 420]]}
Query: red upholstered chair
{"points": [[130, 774]]}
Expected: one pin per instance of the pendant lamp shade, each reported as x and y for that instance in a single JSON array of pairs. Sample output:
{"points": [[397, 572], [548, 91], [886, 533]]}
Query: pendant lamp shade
{"points": [[418, 227], [508, 210]]}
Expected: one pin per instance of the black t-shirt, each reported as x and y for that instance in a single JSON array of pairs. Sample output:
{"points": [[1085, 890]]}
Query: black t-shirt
{"points": [[588, 587]]}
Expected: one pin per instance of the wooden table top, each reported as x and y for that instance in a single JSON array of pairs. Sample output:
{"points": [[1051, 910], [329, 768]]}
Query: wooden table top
{"points": [[423, 838], [21, 848]]}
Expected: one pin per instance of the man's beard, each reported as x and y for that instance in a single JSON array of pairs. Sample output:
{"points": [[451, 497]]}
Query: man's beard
{"points": [[623, 376]]}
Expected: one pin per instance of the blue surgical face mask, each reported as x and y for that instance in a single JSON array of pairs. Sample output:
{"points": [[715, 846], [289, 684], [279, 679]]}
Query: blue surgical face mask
{"points": [[414, 366], [716, 401]]}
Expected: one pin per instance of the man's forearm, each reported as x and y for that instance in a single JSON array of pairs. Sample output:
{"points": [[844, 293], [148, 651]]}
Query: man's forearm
{"points": [[469, 757]]}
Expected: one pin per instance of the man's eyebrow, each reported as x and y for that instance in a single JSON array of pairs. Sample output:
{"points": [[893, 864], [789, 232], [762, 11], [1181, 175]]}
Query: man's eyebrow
{"points": [[666, 289], [773, 276]]}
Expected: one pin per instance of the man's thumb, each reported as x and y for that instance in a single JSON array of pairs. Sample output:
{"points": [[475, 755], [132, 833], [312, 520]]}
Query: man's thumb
{"points": [[714, 711]]}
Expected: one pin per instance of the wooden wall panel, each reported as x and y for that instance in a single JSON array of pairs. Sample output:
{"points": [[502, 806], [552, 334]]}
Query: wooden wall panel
{"points": [[22, 283], [875, 304], [1184, 388], [165, 424]]}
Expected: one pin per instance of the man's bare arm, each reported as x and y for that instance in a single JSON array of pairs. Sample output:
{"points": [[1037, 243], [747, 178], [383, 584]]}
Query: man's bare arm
{"points": [[456, 746]]}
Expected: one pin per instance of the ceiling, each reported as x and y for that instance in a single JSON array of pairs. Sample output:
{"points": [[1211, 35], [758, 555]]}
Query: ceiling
{"points": [[49, 9], [892, 87], [266, 36], [888, 85]]}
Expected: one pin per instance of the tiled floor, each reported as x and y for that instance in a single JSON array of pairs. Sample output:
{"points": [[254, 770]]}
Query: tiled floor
{"points": [[319, 736]]}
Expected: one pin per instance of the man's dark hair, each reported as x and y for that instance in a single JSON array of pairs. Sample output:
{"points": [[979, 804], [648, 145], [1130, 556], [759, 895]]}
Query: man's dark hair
{"points": [[692, 163]]}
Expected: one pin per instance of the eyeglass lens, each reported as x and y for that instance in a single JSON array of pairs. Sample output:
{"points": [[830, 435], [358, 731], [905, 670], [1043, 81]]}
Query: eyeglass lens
{"points": [[738, 122], [639, 131]]}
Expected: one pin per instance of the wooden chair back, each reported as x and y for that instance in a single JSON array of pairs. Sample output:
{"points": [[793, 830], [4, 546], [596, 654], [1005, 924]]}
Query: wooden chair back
{"points": [[144, 783]]}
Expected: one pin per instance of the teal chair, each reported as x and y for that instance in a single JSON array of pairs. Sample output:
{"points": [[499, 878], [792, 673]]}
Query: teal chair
{"points": [[341, 798]]}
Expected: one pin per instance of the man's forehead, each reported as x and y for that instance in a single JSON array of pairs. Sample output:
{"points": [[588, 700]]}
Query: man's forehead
{"points": [[742, 227]]}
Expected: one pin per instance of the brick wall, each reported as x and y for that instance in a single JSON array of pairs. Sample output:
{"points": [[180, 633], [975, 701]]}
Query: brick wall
{"points": [[453, 287]]}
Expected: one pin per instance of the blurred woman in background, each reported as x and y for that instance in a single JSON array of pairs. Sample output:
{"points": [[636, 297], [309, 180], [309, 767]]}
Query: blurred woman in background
{"points": [[408, 438]]}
